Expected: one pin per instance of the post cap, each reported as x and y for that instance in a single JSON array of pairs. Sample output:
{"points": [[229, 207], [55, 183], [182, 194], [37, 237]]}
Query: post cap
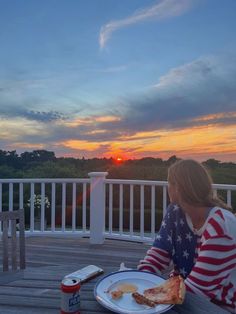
{"points": [[98, 174]]}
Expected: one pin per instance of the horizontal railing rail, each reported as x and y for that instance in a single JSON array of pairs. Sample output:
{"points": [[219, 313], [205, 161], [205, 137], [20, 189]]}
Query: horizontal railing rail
{"points": [[56, 180], [95, 206]]}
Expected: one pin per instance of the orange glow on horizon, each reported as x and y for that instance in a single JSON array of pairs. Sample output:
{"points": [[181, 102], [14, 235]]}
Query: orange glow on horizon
{"points": [[200, 142], [210, 141]]}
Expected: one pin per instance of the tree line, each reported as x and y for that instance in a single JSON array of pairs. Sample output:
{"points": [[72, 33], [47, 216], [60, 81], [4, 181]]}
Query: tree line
{"points": [[44, 164]]}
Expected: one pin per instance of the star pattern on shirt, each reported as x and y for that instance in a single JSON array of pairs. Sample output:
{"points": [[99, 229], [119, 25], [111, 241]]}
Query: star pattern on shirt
{"points": [[158, 237], [185, 254], [183, 271], [163, 224], [189, 236], [176, 207], [179, 238]]}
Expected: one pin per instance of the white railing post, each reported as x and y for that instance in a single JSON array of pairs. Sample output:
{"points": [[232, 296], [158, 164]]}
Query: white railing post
{"points": [[97, 207]]}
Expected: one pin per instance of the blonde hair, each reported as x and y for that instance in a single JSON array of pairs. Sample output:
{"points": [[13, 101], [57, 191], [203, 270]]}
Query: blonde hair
{"points": [[194, 184]]}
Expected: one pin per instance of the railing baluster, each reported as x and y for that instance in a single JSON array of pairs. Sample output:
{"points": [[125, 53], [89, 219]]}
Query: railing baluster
{"points": [[164, 200], [153, 211], [73, 206], [11, 196], [42, 227], [142, 211], [110, 207], [84, 210], [21, 195], [229, 202], [63, 215], [215, 192], [31, 207], [53, 206], [121, 210], [10, 202], [131, 212]]}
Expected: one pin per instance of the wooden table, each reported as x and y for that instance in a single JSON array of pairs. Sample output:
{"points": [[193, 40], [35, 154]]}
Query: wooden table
{"points": [[37, 290]]}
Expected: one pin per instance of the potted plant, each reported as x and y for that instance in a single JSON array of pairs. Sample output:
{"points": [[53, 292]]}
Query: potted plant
{"points": [[37, 210]]}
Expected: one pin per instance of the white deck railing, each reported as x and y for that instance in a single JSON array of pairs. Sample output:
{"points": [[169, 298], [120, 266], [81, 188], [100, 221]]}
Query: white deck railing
{"points": [[96, 207], [26, 189]]}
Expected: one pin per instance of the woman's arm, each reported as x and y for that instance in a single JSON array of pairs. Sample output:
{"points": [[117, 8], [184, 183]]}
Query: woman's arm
{"points": [[215, 262], [155, 261], [158, 258]]}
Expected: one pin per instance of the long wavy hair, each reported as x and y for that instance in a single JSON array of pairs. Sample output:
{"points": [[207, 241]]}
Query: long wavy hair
{"points": [[194, 184]]}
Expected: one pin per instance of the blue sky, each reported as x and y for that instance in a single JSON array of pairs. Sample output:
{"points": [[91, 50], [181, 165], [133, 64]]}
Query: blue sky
{"points": [[87, 77]]}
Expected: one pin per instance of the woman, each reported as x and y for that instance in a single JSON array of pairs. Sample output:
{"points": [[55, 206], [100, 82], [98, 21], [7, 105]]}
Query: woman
{"points": [[198, 235]]}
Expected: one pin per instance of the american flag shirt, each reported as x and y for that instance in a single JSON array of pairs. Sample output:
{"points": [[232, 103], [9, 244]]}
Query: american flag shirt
{"points": [[205, 258]]}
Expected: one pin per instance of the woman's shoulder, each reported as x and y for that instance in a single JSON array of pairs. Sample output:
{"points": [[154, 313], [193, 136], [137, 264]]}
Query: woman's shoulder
{"points": [[223, 215], [221, 222], [174, 212], [172, 207]]}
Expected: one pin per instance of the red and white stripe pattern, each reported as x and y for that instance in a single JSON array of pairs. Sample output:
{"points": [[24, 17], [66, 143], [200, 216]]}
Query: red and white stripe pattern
{"points": [[156, 261], [214, 273], [197, 249]]}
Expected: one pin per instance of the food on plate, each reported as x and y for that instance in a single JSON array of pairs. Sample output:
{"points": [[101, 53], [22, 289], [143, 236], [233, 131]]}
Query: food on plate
{"points": [[172, 291], [123, 288], [116, 294], [140, 299], [127, 288]]}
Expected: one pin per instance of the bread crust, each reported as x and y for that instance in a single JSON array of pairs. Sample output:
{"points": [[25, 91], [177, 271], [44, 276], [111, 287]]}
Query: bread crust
{"points": [[172, 291]]}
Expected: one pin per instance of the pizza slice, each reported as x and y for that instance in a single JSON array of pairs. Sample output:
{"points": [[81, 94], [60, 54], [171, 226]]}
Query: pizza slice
{"points": [[172, 291]]}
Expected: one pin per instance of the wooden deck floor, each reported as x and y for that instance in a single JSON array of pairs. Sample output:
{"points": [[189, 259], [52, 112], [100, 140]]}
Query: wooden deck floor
{"points": [[48, 251]]}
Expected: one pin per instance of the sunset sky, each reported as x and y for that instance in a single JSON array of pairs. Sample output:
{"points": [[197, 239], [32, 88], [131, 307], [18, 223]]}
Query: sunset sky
{"points": [[110, 78]]}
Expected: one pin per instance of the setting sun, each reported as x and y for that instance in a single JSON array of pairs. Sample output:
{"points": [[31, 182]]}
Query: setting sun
{"points": [[119, 159]]}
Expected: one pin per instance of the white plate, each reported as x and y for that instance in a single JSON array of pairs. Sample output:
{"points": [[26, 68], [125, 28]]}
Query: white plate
{"points": [[126, 304]]}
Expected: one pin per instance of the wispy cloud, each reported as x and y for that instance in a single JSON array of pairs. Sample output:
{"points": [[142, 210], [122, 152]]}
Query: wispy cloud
{"points": [[163, 9], [44, 116], [35, 115]]}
